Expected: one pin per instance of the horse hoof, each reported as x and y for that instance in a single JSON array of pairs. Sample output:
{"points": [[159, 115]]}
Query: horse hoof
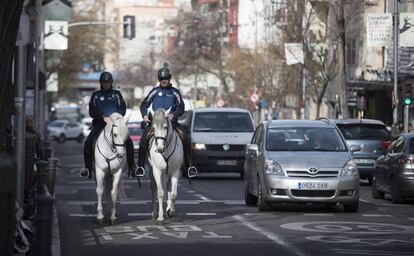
{"points": [[159, 222], [100, 221], [170, 213]]}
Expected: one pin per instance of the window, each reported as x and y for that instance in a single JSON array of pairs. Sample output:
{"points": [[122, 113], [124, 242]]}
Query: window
{"points": [[364, 132], [304, 139], [222, 122], [351, 54]]}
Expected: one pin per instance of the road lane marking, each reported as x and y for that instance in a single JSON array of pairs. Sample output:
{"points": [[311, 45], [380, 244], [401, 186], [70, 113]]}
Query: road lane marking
{"points": [[318, 214], [135, 214], [81, 215], [200, 213], [376, 215], [366, 252], [181, 202], [365, 201], [411, 218], [275, 238]]}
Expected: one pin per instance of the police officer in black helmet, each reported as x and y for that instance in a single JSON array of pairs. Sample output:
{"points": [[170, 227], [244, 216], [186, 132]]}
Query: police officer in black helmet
{"points": [[101, 105], [164, 96]]}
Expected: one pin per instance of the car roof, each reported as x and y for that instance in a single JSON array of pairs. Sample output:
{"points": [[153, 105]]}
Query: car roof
{"points": [[299, 123], [203, 110], [358, 121]]}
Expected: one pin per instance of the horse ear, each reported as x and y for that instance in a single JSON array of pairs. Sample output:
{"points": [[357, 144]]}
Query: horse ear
{"points": [[167, 112]]}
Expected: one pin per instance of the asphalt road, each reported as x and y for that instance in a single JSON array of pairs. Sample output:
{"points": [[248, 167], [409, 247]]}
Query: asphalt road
{"points": [[212, 219]]}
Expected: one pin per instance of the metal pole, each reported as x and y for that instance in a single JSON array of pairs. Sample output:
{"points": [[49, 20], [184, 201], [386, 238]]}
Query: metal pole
{"points": [[19, 102], [52, 174], [407, 112], [395, 112], [304, 92]]}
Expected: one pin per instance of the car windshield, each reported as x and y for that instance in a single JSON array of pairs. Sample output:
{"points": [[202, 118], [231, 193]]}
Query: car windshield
{"points": [[222, 122], [135, 131], [304, 139], [364, 132], [56, 124]]}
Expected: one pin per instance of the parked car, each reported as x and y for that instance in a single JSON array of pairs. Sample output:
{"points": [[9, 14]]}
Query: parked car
{"points": [[135, 132], [86, 124], [394, 172], [219, 137], [305, 161], [62, 130], [372, 136]]}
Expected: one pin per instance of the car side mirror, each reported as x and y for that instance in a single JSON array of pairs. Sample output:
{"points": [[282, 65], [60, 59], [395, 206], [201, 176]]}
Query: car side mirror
{"points": [[355, 148], [253, 148]]}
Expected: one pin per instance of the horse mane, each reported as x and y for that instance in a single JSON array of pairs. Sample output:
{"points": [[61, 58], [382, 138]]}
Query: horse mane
{"points": [[118, 120], [159, 116]]}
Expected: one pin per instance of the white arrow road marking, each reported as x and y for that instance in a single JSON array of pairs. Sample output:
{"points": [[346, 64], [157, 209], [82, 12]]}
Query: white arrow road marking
{"points": [[139, 236], [215, 236], [275, 238]]}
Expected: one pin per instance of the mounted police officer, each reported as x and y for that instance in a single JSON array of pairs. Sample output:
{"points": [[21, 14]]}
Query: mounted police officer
{"points": [[101, 105], [164, 96]]}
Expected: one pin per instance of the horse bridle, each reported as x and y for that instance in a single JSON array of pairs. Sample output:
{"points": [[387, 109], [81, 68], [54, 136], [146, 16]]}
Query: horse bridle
{"points": [[112, 144], [162, 138]]}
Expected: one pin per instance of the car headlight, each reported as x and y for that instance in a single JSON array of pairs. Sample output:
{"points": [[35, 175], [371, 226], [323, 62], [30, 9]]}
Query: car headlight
{"points": [[199, 146], [349, 169], [273, 168]]}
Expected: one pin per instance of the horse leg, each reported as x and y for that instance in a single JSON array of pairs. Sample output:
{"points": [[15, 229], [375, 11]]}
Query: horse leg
{"points": [[160, 194], [99, 191], [114, 194], [172, 196], [154, 197]]}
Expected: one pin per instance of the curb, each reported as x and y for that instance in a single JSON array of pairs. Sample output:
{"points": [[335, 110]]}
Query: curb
{"points": [[55, 234]]}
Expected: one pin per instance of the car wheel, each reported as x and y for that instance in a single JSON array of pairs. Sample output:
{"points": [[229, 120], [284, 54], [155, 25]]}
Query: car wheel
{"points": [[80, 138], [376, 194], [396, 198], [261, 203], [249, 198], [353, 207], [61, 138]]}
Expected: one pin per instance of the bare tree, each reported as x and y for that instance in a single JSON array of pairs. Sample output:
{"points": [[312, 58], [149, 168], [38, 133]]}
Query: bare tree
{"points": [[9, 24]]}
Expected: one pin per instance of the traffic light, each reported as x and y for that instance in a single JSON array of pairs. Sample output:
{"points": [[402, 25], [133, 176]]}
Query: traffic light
{"points": [[407, 94], [129, 27]]}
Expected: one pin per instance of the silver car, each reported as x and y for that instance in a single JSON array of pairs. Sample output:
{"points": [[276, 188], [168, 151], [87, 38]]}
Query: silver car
{"points": [[300, 161]]}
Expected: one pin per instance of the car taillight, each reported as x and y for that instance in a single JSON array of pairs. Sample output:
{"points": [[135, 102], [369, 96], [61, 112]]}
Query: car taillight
{"points": [[385, 144]]}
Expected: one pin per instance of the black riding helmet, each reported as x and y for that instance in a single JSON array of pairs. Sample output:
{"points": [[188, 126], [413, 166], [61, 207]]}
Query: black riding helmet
{"points": [[106, 77], [164, 74]]}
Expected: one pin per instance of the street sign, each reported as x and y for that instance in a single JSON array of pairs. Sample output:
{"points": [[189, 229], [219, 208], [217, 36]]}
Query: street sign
{"points": [[406, 29], [56, 35], [57, 9], [379, 29], [294, 53]]}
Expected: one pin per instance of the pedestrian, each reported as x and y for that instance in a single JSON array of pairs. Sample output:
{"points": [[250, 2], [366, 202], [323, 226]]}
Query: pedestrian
{"points": [[102, 104], [164, 96]]}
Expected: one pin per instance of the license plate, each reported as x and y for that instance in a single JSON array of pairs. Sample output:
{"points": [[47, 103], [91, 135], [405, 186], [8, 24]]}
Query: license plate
{"points": [[364, 161], [226, 162], [312, 185]]}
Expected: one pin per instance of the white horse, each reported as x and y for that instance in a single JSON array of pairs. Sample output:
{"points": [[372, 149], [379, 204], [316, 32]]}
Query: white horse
{"points": [[110, 160], [165, 157]]}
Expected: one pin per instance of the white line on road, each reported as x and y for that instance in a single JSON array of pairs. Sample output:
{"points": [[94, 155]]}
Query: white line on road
{"points": [[365, 201], [81, 215], [366, 252], [411, 218], [376, 215], [200, 213], [183, 202], [318, 214], [275, 238], [134, 214]]}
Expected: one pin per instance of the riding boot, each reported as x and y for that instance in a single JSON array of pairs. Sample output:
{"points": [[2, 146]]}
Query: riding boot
{"points": [[188, 165], [142, 151], [87, 171], [129, 146]]}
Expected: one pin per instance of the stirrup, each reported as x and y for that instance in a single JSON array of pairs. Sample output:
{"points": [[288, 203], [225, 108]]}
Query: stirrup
{"points": [[192, 172], [139, 172], [84, 173]]}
